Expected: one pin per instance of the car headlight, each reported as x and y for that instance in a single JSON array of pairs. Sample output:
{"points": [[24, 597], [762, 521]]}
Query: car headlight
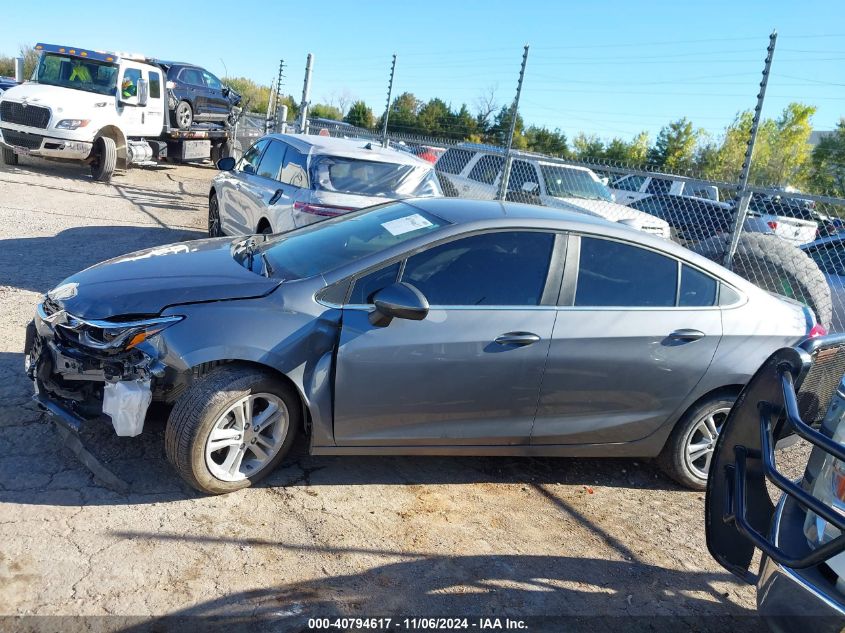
{"points": [[71, 124], [119, 336]]}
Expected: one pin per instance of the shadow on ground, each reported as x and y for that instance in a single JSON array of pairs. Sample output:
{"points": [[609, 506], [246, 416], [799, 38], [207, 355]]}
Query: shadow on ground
{"points": [[39, 263]]}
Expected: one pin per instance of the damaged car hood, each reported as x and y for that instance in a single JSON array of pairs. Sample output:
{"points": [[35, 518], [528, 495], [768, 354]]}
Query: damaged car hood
{"points": [[146, 282]]}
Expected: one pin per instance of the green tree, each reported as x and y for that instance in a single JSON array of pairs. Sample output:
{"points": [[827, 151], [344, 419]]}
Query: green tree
{"points": [[499, 131], [675, 146], [324, 111], [545, 141], [360, 115], [789, 149], [464, 125], [435, 118], [403, 114], [827, 175], [586, 147]]}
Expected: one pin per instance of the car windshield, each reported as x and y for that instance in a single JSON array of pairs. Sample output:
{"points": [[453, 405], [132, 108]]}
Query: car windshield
{"points": [[327, 245], [374, 178], [565, 182], [79, 74]]}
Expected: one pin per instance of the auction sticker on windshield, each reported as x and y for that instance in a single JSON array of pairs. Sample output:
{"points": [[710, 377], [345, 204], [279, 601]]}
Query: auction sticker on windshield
{"points": [[407, 224]]}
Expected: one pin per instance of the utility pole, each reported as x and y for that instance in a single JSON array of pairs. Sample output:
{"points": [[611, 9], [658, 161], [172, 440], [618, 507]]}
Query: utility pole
{"points": [[306, 95], [276, 126], [506, 171], [743, 195], [389, 98]]}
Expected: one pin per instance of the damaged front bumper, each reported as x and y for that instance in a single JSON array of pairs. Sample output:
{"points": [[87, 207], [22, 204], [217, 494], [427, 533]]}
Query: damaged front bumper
{"points": [[76, 382]]}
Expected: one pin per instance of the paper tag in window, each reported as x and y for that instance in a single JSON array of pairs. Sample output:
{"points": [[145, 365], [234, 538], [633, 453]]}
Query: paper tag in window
{"points": [[407, 224]]}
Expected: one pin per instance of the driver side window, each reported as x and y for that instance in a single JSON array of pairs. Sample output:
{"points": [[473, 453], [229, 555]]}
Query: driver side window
{"points": [[249, 161]]}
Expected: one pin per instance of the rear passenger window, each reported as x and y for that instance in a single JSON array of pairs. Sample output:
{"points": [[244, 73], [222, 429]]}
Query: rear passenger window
{"points": [[453, 161], [658, 186], [697, 289], [612, 274], [365, 287], [271, 162], [155, 86], [487, 168], [295, 170]]}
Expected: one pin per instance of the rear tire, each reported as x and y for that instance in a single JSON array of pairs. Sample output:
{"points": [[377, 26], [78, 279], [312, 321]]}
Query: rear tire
{"points": [[105, 159], [690, 446], [206, 415], [214, 227], [777, 266], [184, 115], [9, 157]]}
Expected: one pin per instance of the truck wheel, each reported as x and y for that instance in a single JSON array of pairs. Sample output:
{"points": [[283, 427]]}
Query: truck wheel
{"points": [[9, 157], [184, 115], [105, 159], [232, 148], [775, 265], [231, 428], [688, 451]]}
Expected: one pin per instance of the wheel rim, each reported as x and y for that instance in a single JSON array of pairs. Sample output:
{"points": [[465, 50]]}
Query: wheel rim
{"points": [[213, 218], [701, 441], [184, 116], [246, 438]]}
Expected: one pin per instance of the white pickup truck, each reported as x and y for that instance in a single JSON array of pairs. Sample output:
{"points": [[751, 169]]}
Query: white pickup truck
{"points": [[105, 109], [633, 187]]}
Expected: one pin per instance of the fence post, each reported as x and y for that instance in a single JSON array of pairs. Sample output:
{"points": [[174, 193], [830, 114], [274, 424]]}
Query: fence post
{"points": [[506, 170], [268, 120], [278, 96], [743, 195], [389, 97]]}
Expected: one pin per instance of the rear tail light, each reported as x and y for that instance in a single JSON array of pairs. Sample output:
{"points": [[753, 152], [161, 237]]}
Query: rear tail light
{"points": [[772, 225], [325, 210], [816, 331]]}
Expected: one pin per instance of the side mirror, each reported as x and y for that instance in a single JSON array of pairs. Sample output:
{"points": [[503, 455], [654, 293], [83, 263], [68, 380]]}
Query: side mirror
{"points": [[226, 164], [530, 187], [225, 91], [398, 301], [143, 92], [605, 181]]}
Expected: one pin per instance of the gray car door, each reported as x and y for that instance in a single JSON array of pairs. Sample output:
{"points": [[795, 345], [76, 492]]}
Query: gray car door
{"points": [[263, 188], [236, 213], [470, 372], [634, 335]]}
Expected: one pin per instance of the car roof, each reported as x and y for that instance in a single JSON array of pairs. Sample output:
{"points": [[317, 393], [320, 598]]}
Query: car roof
{"points": [[349, 148], [674, 198]]}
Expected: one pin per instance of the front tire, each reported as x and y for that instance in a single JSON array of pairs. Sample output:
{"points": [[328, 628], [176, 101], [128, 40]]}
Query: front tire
{"points": [[9, 157], [688, 452], [105, 159], [231, 428]]}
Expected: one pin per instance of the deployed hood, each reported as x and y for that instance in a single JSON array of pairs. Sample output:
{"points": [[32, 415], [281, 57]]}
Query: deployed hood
{"points": [[146, 282]]}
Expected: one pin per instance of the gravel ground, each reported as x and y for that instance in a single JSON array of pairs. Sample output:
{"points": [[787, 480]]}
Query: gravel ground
{"points": [[322, 536]]}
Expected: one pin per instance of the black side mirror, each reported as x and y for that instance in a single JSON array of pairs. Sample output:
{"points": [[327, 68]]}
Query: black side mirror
{"points": [[398, 301], [226, 164], [225, 91]]}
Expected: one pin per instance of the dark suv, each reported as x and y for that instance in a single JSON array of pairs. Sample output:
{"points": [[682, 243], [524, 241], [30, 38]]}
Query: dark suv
{"points": [[194, 94]]}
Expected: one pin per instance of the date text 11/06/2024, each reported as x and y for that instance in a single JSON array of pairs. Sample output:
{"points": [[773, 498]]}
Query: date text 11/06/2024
{"points": [[417, 624]]}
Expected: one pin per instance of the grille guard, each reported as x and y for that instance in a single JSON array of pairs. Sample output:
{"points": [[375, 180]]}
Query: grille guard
{"points": [[773, 406]]}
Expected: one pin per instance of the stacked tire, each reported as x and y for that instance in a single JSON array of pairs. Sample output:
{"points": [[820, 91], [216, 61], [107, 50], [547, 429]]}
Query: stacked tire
{"points": [[774, 265]]}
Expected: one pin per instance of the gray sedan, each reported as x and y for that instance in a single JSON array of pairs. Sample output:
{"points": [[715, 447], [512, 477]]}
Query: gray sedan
{"points": [[437, 326]]}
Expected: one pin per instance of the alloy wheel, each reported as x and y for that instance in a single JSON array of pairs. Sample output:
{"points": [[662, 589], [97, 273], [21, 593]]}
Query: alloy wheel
{"points": [[701, 441], [246, 437]]}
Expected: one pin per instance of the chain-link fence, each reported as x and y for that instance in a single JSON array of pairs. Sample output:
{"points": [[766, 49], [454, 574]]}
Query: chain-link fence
{"points": [[789, 243]]}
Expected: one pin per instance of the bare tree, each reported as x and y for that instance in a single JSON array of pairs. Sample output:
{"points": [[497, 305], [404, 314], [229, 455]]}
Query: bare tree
{"points": [[487, 104], [341, 99]]}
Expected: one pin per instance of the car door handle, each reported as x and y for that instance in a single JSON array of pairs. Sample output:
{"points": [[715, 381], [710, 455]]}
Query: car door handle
{"points": [[686, 335], [519, 339], [279, 193]]}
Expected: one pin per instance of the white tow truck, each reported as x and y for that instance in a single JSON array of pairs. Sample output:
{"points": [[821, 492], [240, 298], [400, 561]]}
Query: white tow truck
{"points": [[104, 109]]}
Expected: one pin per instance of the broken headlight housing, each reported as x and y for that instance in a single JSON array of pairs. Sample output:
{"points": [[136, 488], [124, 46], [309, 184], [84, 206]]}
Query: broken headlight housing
{"points": [[116, 336]]}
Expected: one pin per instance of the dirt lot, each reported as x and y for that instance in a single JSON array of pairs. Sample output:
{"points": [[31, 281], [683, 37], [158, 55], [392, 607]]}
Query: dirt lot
{"points": [[323, 536]]}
